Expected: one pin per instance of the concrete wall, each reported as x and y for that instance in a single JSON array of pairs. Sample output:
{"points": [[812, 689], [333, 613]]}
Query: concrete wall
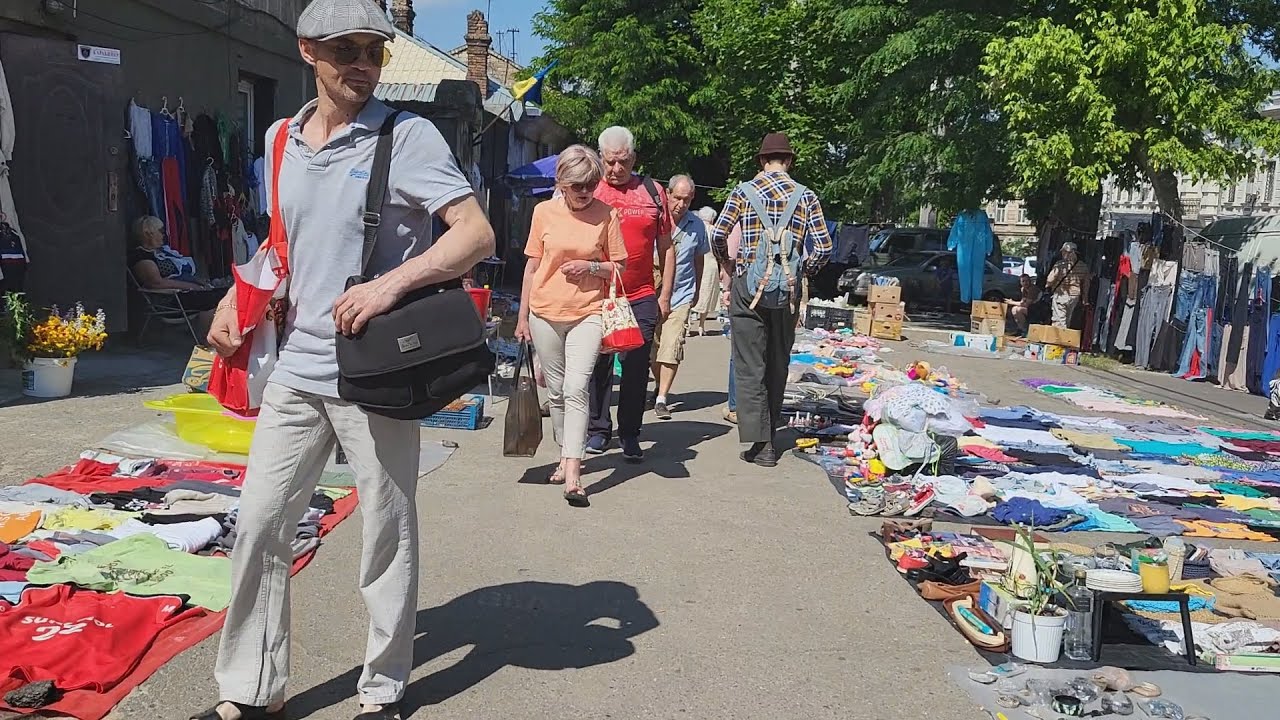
{"points": [[173, 48]]}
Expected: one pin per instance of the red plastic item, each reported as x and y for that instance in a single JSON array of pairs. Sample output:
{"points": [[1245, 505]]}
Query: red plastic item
{"points": [[481, 297]]}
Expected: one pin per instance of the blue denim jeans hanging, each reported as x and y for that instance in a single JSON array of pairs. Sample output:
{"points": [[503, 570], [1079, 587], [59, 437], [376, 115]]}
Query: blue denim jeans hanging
{"points": [[1184, 302], [147, 173], [1197, 340]]}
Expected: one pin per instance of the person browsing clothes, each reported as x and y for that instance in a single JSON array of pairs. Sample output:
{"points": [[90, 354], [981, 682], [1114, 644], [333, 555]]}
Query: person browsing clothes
{"points": [[1067, 282], [571, 240], [328, 151]]}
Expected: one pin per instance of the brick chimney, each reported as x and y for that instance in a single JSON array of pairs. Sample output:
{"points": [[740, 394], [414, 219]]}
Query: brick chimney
{"points": [[478, 42], [402, 15]]}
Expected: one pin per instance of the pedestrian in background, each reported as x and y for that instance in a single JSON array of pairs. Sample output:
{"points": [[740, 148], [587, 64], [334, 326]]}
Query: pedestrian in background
{"points": [[328, 148], [689, 241], [726, 282], [708, 302], [575, 249], [1067, 281], [646, 228], [781, 221]]}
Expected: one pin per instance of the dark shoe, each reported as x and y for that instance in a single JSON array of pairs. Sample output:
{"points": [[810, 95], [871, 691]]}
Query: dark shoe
{"points": [[662, 411], [597, 444], [388, 712], [1273, 414], [650, 399], [577, 498], [247, 712], [631, 449], [761, 454]]}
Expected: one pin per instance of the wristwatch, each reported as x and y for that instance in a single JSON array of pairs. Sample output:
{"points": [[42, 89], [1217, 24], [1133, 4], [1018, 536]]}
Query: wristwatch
{"points": [[595, 267]]}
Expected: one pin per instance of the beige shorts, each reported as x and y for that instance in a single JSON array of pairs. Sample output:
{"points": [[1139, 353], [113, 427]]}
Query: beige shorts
{"points": [[668, 338]]}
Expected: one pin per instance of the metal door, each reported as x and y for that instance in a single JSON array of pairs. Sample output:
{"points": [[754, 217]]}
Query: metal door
{"points": [[67, 167]]}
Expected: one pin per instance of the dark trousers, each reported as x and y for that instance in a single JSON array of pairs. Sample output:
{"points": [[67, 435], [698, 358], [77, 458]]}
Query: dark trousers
{"points": [[635, 380], [762, 340]]}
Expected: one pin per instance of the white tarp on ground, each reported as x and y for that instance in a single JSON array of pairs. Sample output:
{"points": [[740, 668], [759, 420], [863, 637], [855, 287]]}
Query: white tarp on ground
{"points": [[1257, 238]]}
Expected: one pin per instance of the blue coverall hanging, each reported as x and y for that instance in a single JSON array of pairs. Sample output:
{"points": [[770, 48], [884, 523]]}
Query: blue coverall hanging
{"points": [[972, 240]]}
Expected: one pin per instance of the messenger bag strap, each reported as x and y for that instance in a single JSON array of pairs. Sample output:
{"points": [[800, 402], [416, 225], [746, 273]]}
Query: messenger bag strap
{"points": [[379, 174]]}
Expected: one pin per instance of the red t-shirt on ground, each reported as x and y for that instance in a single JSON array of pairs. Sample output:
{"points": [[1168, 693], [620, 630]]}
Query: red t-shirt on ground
{"points": [[642, 223]]}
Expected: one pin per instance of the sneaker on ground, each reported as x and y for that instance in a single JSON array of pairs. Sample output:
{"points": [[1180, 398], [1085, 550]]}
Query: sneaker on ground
{"points": [[597, 444], [662, 411], [631, 449]]}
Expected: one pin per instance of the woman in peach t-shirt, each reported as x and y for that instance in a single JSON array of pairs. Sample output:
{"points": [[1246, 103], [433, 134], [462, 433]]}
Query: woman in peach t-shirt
{"points": [[575, 247]]}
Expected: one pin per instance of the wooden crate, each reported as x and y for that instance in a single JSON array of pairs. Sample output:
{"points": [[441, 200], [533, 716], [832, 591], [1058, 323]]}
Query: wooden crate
{"points": [[886, 329], [884, 294]]}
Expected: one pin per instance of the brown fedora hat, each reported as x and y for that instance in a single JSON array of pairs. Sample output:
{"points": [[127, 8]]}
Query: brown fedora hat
{"points": [[775, 144]]}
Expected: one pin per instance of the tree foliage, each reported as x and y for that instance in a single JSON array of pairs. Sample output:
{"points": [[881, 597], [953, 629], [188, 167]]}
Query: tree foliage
{"points": [[1133, 90]]}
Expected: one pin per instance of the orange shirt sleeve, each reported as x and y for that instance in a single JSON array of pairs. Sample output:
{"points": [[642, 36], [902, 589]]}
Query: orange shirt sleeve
{"points": [[616, 249], [533, 247]]}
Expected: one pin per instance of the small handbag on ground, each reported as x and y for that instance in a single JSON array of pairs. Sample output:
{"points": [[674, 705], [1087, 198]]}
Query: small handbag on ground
{"points": [[621, 331], [428, 350]]}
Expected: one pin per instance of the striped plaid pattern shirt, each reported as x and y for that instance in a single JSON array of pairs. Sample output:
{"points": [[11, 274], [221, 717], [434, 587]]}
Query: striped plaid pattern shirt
{"points": [[808, 226]]}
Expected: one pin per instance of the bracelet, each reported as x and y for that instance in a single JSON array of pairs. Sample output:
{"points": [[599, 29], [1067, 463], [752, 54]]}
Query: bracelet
{"points": [[595, 267]]}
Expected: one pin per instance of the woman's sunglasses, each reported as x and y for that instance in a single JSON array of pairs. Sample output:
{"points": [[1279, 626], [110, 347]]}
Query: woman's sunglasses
{"points": [[583, 187], [348, 54]]}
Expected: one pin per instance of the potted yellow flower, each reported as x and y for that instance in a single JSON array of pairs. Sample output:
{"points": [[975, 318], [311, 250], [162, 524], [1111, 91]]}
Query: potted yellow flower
{"points": [[53, 345]]}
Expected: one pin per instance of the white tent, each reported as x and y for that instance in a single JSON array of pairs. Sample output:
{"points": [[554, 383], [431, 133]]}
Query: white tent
{"points": [[1255, 239]]}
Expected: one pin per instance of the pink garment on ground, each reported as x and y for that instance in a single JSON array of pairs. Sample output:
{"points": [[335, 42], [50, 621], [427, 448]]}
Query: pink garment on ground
{"points": [[990, 453]]}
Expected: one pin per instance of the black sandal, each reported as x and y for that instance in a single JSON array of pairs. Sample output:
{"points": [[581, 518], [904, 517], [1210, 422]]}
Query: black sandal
{"points": [[577, 498], [247, 712], [386, 712]]}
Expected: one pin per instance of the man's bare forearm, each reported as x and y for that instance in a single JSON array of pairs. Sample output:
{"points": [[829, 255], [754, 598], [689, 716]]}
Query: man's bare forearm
{"points": [[468, 240]]}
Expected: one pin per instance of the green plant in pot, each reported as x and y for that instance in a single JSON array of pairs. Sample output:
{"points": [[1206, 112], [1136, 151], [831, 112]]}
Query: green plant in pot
{"points": [[16, 321], [1039, 624]]}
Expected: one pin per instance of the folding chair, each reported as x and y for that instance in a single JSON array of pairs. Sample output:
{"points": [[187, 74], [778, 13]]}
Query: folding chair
{"points": [[164, 306]]}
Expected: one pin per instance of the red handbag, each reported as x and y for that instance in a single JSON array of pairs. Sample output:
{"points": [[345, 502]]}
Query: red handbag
{"points": [[621, 331]]}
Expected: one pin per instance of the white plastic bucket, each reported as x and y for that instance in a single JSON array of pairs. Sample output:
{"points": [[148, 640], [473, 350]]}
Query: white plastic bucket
{"points": [[1038, 638], [48, 377]]}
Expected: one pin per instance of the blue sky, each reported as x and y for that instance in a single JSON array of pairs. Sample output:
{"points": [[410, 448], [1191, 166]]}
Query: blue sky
{"points": [[443, 23]]}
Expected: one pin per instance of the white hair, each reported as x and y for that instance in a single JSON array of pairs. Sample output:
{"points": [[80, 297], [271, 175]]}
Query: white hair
{"points": [[617, 138], [682, 178], [708, 214]]}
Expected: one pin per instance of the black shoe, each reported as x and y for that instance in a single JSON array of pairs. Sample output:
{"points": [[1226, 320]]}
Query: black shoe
{"points": [[761, 454], [631, 449], [662, 411], [247, 712], [387, 712]]}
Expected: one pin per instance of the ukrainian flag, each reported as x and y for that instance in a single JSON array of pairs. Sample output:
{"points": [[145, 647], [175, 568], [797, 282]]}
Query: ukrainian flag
{"points": [[530, 89]]}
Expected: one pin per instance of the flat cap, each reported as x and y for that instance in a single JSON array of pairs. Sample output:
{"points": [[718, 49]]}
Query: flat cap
{"points": [[328, 19]]}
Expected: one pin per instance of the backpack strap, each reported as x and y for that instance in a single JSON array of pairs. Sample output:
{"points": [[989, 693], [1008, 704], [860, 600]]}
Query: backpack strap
{"points": [[277, 238], [776, 234], [379, 175], [652, 187]]}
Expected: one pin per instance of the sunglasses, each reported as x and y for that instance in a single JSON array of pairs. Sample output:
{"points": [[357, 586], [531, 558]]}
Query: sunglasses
{"points": [[583, 187], [347, 54]]}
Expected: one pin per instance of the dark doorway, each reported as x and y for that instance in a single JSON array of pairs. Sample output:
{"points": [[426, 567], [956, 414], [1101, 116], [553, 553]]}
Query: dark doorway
{"points": [[67, 173]]}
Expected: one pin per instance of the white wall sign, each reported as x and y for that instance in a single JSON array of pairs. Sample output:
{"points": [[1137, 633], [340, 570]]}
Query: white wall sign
{"points": [[93, 53]]}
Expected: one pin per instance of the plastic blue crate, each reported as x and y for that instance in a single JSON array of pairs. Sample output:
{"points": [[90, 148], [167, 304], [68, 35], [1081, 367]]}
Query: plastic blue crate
{"points": [[462, 414]]}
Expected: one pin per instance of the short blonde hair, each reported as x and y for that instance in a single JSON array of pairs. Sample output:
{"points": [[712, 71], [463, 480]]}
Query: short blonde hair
{"points": [[146, 224], [579, 164]]}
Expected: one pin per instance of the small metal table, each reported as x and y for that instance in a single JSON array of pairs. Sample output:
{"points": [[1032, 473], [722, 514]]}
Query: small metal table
{"points": [[1101, 600]]}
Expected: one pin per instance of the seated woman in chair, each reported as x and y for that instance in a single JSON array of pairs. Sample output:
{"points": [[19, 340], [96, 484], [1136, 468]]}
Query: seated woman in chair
{"points": [[156, 266]]}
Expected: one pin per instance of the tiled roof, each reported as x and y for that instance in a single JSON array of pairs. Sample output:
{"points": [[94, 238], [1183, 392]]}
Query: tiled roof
{"points": [[417, 68]]}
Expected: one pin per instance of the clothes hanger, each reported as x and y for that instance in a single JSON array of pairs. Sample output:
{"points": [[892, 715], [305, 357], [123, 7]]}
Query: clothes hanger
{"points": [[165, 109]]}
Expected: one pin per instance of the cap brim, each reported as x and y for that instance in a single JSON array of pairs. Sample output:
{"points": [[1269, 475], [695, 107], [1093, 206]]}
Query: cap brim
{"points": [[359, 31]]}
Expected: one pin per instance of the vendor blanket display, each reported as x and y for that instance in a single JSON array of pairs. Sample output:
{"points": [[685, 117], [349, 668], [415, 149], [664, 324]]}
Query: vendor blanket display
{"points": [[1099, 400], [111, 567]]}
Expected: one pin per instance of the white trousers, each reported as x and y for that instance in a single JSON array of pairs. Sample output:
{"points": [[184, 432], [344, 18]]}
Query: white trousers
{"points": [[568, 354]]}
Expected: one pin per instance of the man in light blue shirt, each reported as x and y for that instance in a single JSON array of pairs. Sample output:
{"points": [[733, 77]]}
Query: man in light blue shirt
{"points": [[691, 243]]}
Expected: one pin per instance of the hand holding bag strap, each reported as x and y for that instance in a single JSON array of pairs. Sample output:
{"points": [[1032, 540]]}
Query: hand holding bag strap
{"points": [[379, 175]]}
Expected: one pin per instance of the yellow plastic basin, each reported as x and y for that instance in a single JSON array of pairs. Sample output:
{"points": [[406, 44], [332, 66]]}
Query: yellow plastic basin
{"points": [[201, 420]]}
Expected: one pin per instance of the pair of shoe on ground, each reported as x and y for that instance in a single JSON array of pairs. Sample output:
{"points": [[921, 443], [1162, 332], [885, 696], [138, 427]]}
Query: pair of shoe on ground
{"points": [[251, 712], [631, 450]]}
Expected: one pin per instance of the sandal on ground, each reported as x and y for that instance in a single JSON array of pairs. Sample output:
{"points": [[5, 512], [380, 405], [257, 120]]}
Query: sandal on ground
{"points": [[386, 712], [247, 712], [577, 497], [557, 477], [895, 504]]}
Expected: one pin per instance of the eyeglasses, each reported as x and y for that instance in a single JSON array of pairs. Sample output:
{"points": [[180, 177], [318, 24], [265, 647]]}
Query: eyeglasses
{"points": [[348, 54], [584, 187]]}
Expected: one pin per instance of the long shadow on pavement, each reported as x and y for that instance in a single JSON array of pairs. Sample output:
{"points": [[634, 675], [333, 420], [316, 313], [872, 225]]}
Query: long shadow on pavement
{"points": [[698, 400], [534, 625]]}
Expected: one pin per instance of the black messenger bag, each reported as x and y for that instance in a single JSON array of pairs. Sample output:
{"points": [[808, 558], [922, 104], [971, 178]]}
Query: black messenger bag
{"points": [[428, 350]]}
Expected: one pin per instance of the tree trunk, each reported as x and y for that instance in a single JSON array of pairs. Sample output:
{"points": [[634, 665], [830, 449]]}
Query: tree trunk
{"points": [[1164, 182]]}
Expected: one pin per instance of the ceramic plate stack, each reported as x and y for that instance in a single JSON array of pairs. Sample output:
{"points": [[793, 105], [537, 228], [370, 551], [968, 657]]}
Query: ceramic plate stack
{"points": [[1117, 581]]}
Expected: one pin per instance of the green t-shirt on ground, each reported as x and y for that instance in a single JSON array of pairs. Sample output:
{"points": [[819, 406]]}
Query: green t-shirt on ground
{"points": [[142, 565]]}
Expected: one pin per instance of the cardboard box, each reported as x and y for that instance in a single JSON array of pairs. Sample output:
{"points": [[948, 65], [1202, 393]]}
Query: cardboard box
{"points": [[988, 326], [981, 309], [886, 329], [999, 603], [1050, 335], [975, 341], [889, 311], [862, 322], [884, 294]]}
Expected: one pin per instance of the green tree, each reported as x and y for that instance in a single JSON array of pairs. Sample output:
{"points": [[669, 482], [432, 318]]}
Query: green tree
{"points": [[1133, 90], [629, 62]]}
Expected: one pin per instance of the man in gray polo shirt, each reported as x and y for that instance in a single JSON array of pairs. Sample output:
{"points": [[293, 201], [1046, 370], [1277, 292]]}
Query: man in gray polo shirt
{"points": [[323, 179]]}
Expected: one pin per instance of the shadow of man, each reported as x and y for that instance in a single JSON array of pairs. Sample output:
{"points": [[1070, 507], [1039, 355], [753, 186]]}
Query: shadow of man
{"points": [[534, 625]]}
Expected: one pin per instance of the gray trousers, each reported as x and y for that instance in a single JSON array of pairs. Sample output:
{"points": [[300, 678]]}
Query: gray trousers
{"points": [[762, 340], [1156, 303], [293, 441]]}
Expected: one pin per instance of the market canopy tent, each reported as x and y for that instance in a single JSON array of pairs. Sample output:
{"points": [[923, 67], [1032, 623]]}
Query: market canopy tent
{"points": [[536, 178]]}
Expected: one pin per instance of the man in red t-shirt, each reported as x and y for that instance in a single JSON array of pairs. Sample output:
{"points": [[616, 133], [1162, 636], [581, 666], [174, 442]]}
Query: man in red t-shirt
{"points": [[646, 226]]}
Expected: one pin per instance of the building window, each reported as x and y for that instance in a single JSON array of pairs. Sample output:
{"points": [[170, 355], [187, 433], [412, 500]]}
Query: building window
{"points": [[1001, 212], [1022, 216], [1271, 182], [1231, 193]]}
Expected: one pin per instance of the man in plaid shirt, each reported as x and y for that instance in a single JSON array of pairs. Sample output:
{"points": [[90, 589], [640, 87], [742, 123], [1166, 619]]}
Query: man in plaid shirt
{"points": [[784, 235]]}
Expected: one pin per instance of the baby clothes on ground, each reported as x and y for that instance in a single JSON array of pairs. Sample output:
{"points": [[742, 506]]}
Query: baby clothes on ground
{"points": [[40, 493]]}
